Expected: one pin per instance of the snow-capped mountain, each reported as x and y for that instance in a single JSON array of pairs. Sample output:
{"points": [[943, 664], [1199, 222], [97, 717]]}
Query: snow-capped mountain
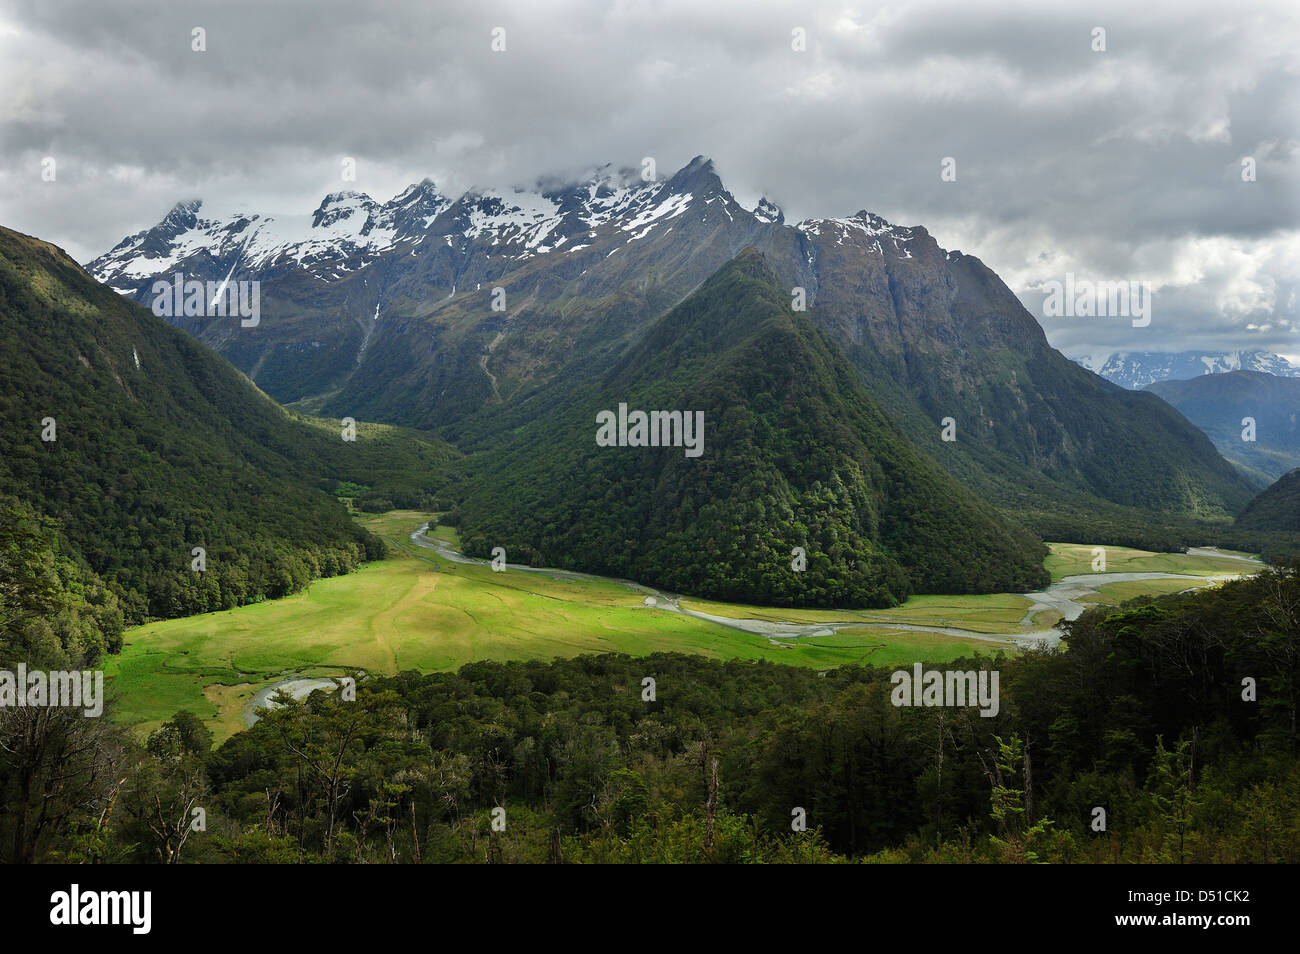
{"points": [[194, 239], [456, 315], [337, 284], [349, 230], [1136, 369]]}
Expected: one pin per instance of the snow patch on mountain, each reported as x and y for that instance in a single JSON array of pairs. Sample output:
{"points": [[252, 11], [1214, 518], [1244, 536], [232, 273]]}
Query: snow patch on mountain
{"points": [[767, 211], [350, 230], [866, 225]]}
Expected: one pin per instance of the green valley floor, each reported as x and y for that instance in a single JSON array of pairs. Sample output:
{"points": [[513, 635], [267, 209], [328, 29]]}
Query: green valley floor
{"points": [[418, 609]]}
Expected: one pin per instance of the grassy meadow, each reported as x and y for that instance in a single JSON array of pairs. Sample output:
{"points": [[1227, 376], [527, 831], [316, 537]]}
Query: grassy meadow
{"points": [[415, 610], [1075, 559]]}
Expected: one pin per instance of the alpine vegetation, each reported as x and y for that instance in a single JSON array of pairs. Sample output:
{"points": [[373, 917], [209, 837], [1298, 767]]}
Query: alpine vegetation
{"points": [[654, 429]]}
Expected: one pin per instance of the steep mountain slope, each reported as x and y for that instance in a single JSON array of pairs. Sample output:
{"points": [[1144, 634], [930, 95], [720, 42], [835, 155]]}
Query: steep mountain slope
{"points": [[1277, 509], [938, 335], [141, 445], [317, 322], [1139, 369], [1219, 403], [439, 358], [475, 305], [795, 454]]}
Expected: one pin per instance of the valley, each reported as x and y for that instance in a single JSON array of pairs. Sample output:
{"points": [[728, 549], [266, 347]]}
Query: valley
{"points": [[427, 607], [661, 435]]}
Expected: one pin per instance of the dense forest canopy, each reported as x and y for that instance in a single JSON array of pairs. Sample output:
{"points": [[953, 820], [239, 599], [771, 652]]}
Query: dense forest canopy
{"points": [[1277, 508], [1176, 717]]}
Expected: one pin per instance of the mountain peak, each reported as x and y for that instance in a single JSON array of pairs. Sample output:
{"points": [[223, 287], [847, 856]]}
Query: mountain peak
{"points": [[767, 211], [697, 177], [874, 221], [345, 197], [182, 216], [340, 206], [423, 189]]}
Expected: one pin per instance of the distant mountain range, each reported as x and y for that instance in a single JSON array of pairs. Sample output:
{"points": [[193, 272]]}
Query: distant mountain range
{"points": [[476, 316], [1219, 404], [1136, 369]]}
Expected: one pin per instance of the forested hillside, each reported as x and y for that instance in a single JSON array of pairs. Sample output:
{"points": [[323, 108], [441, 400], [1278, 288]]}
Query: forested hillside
{"points": [[937, 334], [795, 454], [140, 445], [1277, 508]]}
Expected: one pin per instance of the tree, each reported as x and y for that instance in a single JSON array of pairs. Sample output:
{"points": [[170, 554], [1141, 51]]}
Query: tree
{"points": [[1173, 793], [1009, 805], [59, 767]]}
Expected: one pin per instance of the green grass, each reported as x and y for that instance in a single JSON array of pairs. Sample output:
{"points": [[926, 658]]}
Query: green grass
{"points": [[992, 613], [885, 647], [1112, 594], [1047, 618], [448, 535], [1073, 559], [399, 613], [415, 610]]}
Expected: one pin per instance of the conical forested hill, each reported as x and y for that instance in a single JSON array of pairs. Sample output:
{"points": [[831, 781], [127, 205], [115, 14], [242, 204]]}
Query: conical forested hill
{"points": [[795, 454], [1276, 509]]}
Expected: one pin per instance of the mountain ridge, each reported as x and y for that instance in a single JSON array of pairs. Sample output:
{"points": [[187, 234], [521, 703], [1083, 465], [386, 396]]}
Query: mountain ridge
{"points": [[503, 295], [1252, 417], [1277, 508]]}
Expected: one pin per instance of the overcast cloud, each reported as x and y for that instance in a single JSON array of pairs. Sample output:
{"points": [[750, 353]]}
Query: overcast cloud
{"points": [[1123, 164]]}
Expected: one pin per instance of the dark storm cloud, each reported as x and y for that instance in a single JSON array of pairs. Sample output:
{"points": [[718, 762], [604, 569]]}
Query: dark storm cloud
{"points": [[1116, 165]]}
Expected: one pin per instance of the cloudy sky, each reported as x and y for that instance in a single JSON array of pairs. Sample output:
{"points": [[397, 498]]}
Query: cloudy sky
{"points": [[1122, 164]]}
